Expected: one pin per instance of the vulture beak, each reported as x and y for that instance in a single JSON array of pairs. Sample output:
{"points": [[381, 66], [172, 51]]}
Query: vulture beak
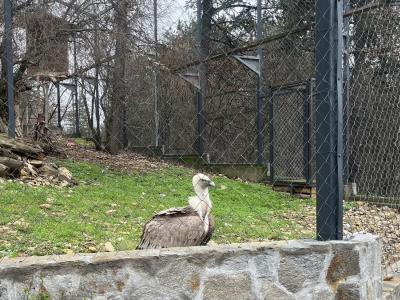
{"points": [[211, 184]]}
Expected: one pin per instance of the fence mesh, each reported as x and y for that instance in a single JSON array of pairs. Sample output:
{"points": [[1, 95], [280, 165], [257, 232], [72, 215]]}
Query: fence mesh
{"points": [[196, 96]]}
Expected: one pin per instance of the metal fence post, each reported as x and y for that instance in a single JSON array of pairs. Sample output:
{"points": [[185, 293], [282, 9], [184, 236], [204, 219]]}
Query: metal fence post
{"points": [[156, 78], [57, 84], [260, 90], [308, 131], [97, 78], [202, 79], [346, 89], [329, 119], [10, 72], [271, 136], [77, 125]]}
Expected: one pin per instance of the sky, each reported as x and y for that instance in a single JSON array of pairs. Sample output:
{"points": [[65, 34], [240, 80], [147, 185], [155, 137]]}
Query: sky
{"points": [[170, 12]]}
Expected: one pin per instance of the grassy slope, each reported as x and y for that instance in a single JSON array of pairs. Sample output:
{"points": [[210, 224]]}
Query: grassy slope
{"points": [[112, 207]]}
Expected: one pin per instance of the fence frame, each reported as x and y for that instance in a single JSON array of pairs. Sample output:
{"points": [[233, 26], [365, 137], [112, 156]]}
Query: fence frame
{"points": [[329, 118]]}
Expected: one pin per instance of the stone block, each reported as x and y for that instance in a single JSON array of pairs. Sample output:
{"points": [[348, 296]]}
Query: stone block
{"points": [[344, 263], [153, 293], [230, 261], [266, 266], [348, 292], [297, 271], [3, 290], [185, 279], [228, 287], [271, 291]]}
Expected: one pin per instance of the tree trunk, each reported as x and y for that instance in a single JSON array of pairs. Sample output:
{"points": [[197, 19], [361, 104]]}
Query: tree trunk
{"points": [[13, 164], [118, 96], [20, 147]]}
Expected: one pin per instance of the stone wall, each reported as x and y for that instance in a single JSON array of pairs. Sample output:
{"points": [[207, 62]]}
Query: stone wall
{"points": [[279, 270]]}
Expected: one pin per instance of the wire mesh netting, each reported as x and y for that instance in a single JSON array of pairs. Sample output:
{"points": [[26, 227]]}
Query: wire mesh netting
{"points": [[371, 63], [302, 99]]}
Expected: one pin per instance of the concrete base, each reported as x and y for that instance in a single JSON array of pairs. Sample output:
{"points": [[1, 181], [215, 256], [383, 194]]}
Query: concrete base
{"points": [[191, 160], [249, 172], [148, 150]]}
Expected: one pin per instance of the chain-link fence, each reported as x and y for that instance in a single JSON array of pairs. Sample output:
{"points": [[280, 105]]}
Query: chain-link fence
{"points": [[300, 96]]}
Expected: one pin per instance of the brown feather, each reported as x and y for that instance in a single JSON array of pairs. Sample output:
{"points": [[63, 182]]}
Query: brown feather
{"points": [[175, 227]]}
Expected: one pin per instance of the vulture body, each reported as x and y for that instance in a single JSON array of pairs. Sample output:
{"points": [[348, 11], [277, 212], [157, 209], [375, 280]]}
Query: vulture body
{"points": [[185, 226]]}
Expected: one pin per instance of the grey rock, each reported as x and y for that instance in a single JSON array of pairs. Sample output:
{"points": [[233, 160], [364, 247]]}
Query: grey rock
{"points": [[186, 279], [223, 287], [153, 293], [49, 170], [231, 262], [266, 266], [344, 263], [295, 272], [348, 292], [273, 292]]}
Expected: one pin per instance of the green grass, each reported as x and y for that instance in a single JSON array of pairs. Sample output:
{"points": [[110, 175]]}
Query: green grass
{"points": [[109, 206]]}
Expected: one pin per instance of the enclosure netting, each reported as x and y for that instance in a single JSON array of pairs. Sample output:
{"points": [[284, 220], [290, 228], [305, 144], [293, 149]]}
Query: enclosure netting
{"points": [[156, 108]]}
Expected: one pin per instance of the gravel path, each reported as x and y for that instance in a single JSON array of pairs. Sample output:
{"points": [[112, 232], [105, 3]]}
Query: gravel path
{"points": [[382, 221], [366, 218]]}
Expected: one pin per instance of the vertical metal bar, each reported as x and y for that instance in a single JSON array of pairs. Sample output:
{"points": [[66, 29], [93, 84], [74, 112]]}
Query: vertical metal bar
{"points": [[96, 82], [125, 124], [340, 112], [77, 125], [200, 92], [329, 120], [271, 137], [156, 83], [260, 90], [46, 102], [311, 149], [58, 105], [10, 63], [97, 102], [307, 134], [200, 123], [346, 90]]}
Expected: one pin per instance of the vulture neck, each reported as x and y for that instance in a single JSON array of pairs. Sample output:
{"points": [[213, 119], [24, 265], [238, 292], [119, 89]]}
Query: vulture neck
{"points": [[202, 203]]}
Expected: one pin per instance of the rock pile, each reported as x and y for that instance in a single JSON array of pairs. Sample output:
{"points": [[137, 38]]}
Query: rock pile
{"points": [[19, 159]]}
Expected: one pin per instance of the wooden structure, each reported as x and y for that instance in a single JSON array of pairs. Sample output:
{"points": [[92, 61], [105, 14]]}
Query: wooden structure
{"points": [[47, 45]]}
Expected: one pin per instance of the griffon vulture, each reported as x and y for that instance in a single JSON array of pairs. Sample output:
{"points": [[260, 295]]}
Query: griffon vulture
{"points": [[182, 227]]}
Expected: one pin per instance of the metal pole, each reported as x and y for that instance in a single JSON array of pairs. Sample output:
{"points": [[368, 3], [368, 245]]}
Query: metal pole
{"points": [[156, 83], [58, 105], [329, 119], [10, 63], [77, 127], [46, 102], [307, 125], [271, 137], [200, 92], [96, 83], [260, 90], [346, 89]]}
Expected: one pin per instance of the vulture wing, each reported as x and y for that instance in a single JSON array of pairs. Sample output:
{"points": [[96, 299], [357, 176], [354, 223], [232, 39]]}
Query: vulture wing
{"points": [[175, 227]]}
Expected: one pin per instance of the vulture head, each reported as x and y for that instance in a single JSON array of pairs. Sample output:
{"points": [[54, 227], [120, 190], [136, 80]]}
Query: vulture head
{"points": [[201, 182]]}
